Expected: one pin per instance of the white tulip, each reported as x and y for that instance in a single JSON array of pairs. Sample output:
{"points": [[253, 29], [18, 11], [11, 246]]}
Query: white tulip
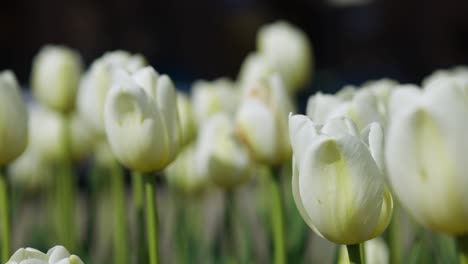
{"points": [[187, 119], [289, 51], [426, 154], [338, 180], [262, 120], [212, 97], [56, 255], [184, 175], [255, 67], [13, 119], [220, 154], [30, 171], [141, 119], [375, 250], [459, 75], [97, 81], [362, 108], [55, 77]]}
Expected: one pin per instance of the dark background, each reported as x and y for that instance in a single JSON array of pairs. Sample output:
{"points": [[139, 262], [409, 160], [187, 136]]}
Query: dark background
{"points": [[402, 39]]}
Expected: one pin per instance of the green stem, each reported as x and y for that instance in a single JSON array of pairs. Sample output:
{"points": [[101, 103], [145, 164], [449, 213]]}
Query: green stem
{"points": [[277, 220], [356, 253], [138, 203], [4, 216], [151, 218], [393, 236], [462, 244], [229, 230], [120, 223]]}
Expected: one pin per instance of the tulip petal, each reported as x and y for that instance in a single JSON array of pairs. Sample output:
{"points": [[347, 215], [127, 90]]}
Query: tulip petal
{"points": [[301, 132], [373, 136]]}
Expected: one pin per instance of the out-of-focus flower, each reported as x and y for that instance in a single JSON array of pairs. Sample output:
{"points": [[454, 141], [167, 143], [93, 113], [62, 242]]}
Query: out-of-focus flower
{"points": [[142, 121], [426, 154], [55, 76], [30, 171], [13, 119], [289, 51], [459, 75], [208, 98], [97, 81], [363, 106], [255, 67], [184, 175], [187, 120], [48, 133], [262, 120], [55, 255], [220, 154], [375, 250], [338, 180], [81, 137]]}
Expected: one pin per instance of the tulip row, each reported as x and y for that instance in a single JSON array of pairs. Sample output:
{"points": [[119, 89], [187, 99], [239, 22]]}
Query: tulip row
{"points": [[357, 156]]}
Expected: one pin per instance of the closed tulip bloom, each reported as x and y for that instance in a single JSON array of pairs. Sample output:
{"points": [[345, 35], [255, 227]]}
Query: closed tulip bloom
{"points": [[362, 108], [55, 77], [30, 171], [457, 74], [97, 81], [81, 137], [220, 154], [262, 120], [338, 180], [13, 119], [184, 175], [255, 67], [289, 51], [426, 154], [187, 119], [142, 122], [211, 97], [56, 255]]}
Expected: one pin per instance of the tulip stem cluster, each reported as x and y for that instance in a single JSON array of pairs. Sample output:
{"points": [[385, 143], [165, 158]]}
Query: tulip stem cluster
{"points": [[151, 218], [462, 243], [277, 219], [4, 216], [356, 253], [120, 223]]}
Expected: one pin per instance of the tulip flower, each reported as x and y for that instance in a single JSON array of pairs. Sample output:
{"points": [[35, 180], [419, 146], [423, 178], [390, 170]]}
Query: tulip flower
{"points": [[289, 51], [458, 74], [183, 173], [362, 108], [425, 154], [55, 255], [220, 154], [187, 120], [255, 67], [338, 179], [30, 171], [55, 77], [13, 119], [142, 122], [212, 97], [97, 81], [262, 120]]}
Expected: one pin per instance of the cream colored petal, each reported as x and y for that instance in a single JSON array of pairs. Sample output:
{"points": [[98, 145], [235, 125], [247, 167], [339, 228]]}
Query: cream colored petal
{"points": [[57, 253], [373, 136], [147, 78]]}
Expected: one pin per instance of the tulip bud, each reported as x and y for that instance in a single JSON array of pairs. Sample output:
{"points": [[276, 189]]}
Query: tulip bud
{"points": [[97, 81], [220, 153], [262, 120], [55, 76], [183, 173], [187, 121], [209, 98], [48, 132], [255, 67], [375, 250], [30, 171], [13, 119], [362, 108], [426, 154], [141, 119], [338, 179], [289, 51], [82, 138], [56, 255]]}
